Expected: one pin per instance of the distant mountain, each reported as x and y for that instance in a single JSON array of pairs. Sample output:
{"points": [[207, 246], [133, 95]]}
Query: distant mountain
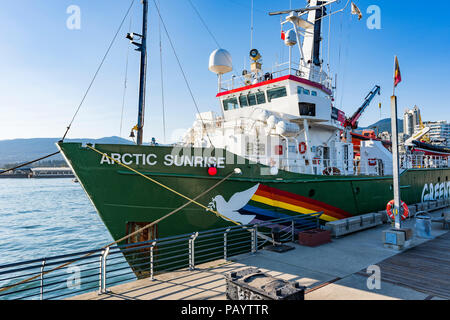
{"points": [[384, 125], [23, 150]]}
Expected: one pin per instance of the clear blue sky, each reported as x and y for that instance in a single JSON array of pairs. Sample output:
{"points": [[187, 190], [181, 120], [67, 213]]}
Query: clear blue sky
{"points": [[46, 67]]}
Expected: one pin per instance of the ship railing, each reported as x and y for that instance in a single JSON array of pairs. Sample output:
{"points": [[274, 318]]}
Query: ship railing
{"points": [[423, 161], [278, 70], [68, 275]]}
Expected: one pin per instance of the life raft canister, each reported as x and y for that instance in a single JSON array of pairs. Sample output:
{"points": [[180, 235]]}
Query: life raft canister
{"points": [[390, 212], [302, 147]]}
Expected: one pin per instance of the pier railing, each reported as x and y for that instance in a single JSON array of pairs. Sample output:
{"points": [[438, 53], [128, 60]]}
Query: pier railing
{"points": [[63, 276]]}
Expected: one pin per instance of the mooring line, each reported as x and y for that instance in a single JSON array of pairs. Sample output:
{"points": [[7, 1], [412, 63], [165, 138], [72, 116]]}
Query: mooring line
{"points": [[29, 162]]}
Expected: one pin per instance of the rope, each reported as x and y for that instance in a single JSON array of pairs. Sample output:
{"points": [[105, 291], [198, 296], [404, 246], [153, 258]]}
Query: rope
{"points": [[182, 71], [133, 233], [30, 162], [98, 70]]}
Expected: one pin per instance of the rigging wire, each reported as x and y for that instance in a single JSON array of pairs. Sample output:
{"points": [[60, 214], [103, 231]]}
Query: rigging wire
{"points": [[98, 69], [182, 71], [204, 24], [162, 81], [125, 82]]}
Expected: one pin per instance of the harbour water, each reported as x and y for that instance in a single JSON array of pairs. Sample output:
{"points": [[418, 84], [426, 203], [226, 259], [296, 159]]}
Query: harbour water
{"points": [[46, 217]]}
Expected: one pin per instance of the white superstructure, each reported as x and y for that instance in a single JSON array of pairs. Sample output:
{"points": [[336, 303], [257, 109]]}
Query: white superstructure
{"points": [[285, 118]]}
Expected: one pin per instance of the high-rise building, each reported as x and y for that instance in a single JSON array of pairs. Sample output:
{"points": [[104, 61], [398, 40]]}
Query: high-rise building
{"points": [[411, 121], [408, 127]]}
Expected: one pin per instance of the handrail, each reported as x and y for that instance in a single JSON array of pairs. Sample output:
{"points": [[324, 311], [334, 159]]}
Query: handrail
{"points": [[148, 257]]}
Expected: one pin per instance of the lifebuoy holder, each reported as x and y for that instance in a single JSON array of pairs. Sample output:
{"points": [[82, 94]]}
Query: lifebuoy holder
{"points": [[390, 211]]}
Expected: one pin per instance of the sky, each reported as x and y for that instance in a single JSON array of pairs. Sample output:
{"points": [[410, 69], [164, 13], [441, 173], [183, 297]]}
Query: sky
{"points": [[46, 67]]}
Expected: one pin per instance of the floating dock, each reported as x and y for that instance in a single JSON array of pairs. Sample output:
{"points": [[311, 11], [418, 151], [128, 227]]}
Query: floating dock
{"points": [[333, 271]]}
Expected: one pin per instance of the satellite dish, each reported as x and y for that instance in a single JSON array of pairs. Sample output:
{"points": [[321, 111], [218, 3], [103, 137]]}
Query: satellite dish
{"points": [[220, 61]]}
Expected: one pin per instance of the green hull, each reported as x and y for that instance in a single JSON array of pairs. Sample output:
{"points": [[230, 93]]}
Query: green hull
{"points": [[122, 196]]}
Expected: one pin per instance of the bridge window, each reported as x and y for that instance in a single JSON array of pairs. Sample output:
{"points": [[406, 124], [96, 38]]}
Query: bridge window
{"points": [[243, 101], [276, 93], [307, 109], [230, 104], [260, 97], [314, 93], [251, 99]]}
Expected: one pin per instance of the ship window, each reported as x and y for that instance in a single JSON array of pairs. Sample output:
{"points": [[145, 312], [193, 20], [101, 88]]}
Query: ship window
{"points": [[306, 91], [260, 97], [314, 93], [252, 99], [243, 101], [230, 104], [276, 93], [299, 90], [307, 109]]}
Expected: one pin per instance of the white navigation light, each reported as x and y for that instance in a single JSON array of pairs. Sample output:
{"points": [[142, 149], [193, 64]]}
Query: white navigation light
{"points": [[290, 39], [220, 61]]}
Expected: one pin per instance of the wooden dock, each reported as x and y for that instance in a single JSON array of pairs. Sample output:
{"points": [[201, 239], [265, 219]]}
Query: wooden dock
{"points": [[425, 268]]}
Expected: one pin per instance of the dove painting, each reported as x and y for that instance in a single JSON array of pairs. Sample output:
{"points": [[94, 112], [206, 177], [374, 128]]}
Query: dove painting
{"points": [[231, 207]]}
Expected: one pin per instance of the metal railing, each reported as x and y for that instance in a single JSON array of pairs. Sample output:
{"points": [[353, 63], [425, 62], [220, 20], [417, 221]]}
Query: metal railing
{"points": [[110, 266], [279, 70]]}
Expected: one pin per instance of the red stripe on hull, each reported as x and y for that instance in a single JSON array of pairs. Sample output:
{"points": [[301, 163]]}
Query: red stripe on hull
{"points": [[313, 204]]}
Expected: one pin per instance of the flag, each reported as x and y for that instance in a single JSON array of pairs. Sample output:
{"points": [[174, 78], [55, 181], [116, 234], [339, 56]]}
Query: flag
{"points": [[397, 74], [283, 35], [356, 11]]}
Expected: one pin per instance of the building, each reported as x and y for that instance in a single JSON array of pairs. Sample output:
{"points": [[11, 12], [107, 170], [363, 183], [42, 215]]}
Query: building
{"points": [[411, 121], [52, 173], [439, 132]]}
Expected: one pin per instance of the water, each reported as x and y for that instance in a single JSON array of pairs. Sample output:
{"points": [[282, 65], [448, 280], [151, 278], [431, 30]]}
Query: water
{"points": [[46, 217]]}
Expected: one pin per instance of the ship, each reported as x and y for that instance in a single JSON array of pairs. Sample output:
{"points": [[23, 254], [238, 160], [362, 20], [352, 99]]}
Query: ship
{"points": [[279, 147]]}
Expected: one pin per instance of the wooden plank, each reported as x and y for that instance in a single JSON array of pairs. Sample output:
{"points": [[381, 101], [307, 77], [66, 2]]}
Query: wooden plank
{"points": [[425, 268]]}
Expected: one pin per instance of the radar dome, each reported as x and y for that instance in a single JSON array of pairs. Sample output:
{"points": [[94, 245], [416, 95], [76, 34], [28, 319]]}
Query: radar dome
{"points": [[220, 61]]}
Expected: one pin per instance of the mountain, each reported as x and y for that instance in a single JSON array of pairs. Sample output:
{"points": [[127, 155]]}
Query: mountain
{"points": [[384, 125], [23, 150]]}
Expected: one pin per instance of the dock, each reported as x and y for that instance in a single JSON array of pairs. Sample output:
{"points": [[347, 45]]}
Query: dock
{"points": [[333, 271]]}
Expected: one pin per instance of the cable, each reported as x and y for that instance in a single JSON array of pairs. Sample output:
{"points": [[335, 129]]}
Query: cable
{"points": [[98, 70], [182, 72], [125, 83], [30, 162], [162, 81], [204, 24]]}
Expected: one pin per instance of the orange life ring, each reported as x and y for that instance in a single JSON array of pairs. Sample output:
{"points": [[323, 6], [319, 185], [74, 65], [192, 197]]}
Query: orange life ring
{"points": [[302, 147], [328, 171], [390, 212]]}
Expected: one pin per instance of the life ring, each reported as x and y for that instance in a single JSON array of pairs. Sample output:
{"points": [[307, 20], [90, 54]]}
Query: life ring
{"points": [[391, 214], [302, 147], [372, 162], [328, 171]]}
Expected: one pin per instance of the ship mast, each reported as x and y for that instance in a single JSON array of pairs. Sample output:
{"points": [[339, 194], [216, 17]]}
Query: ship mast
{"points": [[143, 74]]}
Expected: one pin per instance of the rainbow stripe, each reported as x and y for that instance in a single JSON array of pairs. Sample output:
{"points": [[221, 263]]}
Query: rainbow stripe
{"points": [[295, 203]]}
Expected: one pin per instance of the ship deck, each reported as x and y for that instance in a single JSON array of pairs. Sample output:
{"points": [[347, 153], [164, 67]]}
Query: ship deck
{"points": [[334, 271]]}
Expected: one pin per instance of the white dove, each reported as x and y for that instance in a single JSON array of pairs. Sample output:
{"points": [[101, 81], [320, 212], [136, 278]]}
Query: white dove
{"points": [[237, 201]]}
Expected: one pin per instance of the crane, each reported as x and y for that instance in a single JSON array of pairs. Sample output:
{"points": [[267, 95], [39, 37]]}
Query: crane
{"points": [[352, 122]]}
